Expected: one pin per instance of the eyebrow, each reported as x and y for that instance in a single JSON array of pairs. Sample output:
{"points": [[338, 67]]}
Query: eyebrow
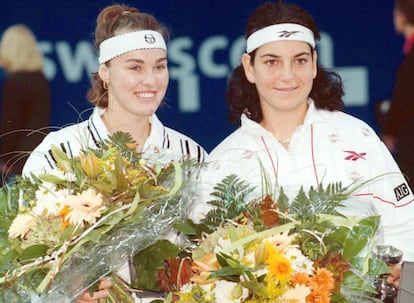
{"points": [[277, 56], [142, 61]]}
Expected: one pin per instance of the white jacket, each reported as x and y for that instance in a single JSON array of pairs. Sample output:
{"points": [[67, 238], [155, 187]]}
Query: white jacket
{"points": [[72, 139], [329, 147]]}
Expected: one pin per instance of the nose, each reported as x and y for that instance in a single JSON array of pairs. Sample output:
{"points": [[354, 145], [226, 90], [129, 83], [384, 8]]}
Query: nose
{"points": [[286, 72], [148, 77]]}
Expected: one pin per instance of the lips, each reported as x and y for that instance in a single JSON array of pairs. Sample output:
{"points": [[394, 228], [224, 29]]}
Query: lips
{"points": [[286, 89]]}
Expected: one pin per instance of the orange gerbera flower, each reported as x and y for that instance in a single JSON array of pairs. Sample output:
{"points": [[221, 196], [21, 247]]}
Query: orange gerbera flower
{"points": [[300, 278], [322, 285], [323, 278]]}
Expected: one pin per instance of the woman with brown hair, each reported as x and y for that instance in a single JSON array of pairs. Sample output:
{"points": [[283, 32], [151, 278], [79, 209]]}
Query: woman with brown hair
{"points": [[127, 90]]}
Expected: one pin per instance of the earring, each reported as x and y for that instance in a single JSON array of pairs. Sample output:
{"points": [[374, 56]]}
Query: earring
{"points": [[105, 85]]}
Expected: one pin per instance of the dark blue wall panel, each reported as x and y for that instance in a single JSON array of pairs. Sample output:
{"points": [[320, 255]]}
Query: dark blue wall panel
{"points": [[358, 41]]}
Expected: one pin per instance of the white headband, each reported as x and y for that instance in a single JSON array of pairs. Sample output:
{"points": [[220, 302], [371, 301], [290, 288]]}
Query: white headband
{"points": [[276, 32], [121, 44]]}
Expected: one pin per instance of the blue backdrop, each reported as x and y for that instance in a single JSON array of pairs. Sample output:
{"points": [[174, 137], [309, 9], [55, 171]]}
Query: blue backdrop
{"points": [[358, 41]]}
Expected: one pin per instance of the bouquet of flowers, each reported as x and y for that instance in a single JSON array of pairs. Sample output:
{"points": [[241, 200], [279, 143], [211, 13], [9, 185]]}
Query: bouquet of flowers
{"points": [[275, 250], [61, 231]]}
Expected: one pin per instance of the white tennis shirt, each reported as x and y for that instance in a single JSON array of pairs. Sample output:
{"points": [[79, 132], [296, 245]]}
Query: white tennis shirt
{"points": [[329, 147]]}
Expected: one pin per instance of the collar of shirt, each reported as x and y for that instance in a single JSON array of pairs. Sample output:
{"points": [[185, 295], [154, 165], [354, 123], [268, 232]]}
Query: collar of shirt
{"points": [[100, 132], [313, 115]]}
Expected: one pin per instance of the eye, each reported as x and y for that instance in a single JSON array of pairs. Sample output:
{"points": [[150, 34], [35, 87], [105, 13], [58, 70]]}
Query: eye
{"points": [[270, 62], [135, 67], [302, 61], [161, 66]]}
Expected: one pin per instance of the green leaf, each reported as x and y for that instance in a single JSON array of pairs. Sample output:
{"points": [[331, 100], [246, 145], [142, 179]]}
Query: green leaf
{"points": [[149, 260], [231, 273], [359, 236], [4, 242], [185, 228], [121, 181], [357, 283], [9, 205], [6, 259], [376, 267], [33, 252], [51, 178], [61, 158]]}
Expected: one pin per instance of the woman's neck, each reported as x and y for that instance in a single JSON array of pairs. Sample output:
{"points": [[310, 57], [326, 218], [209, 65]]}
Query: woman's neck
{"points": [[139, 128], [283, 124]]}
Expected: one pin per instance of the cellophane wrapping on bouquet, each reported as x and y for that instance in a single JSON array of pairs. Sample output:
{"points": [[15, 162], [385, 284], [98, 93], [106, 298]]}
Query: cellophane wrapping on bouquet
{"points": [[64, 230]]}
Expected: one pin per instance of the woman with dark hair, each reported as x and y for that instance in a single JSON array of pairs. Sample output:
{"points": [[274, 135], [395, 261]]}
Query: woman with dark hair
{"points": [[127, 90], [293, 133], [242, 94]]}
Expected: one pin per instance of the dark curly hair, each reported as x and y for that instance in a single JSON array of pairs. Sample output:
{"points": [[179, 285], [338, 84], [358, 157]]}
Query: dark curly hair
{"points": [[242, 96]]}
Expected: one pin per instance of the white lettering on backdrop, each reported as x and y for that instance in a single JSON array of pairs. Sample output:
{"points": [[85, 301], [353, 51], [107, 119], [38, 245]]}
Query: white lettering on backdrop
{"points": [[186, 67]]}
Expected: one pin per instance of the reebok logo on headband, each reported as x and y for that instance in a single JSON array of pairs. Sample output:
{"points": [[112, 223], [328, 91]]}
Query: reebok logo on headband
{"points": [[277, 32], [286, 34]]}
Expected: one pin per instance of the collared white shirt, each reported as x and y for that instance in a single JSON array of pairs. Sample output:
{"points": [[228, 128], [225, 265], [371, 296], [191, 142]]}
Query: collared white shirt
{"points": [[329, 147], [166, 142]]}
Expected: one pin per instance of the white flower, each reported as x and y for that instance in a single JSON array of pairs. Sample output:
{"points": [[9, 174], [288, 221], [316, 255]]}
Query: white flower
{"points": [[86, 206], [49, 200], [186, 288], [224, 291], [222, 244], [281, 240], [21, 225], [248, 258], [297, 294], [298, 261]]}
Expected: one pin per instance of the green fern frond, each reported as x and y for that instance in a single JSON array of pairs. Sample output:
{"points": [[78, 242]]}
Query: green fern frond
{"points": [[283, 201], [319, 200], [230, 200]]}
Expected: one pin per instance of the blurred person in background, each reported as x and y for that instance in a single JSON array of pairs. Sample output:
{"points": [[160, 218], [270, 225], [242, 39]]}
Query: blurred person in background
{"points": [[399, 120], [25, 99]]}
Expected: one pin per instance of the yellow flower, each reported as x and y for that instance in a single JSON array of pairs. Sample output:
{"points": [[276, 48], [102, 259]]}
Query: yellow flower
{"points": [[89, 164], [21, 225], [278, 265], [86, 206], [280, 272]]}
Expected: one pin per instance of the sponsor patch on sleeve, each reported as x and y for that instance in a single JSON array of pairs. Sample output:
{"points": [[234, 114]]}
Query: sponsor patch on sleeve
{"points": [[401, 191]]}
